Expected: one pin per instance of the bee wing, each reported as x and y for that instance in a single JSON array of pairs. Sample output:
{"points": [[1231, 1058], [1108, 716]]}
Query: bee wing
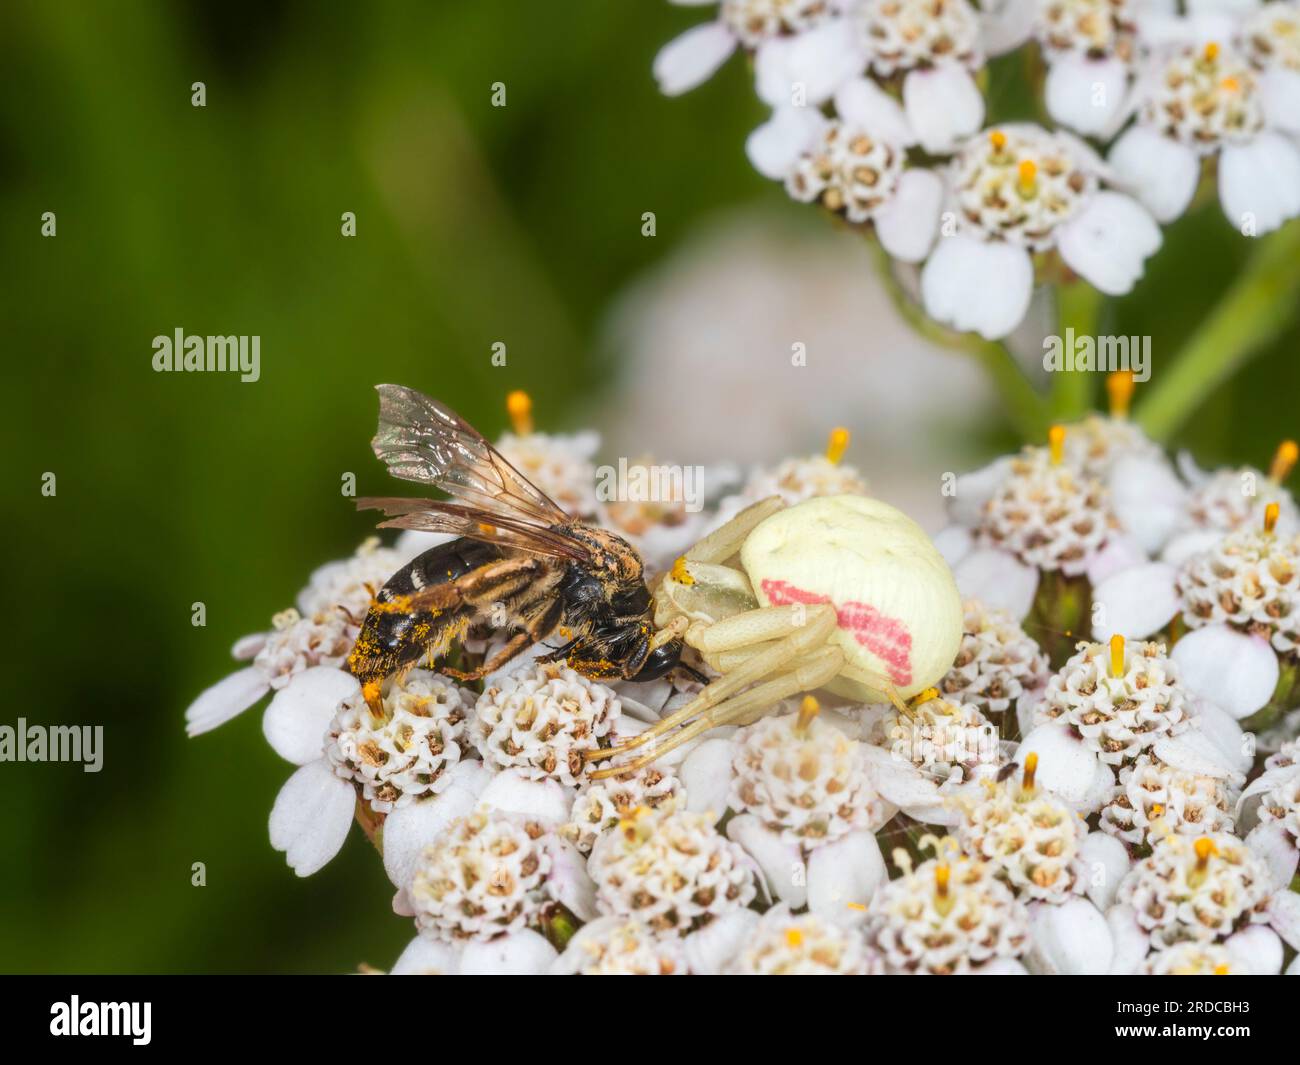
{"points": [[493, 527], [422, 440]]}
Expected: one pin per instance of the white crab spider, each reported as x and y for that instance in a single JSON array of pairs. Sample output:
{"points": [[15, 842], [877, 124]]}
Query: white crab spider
{"points": [[842, 592]]}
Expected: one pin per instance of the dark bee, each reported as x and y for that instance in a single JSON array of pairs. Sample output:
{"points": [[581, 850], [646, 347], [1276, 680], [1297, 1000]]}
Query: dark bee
{"points": [[521, 563]]}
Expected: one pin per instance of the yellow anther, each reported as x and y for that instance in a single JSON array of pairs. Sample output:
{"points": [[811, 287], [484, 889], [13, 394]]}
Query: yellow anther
{"points": [[679, 573], [1117, 655], [1028, 171], [1031, 767], [1211, 51], [837, 444], [924, 696], [519, 406], [998, 139], [793, 937], [1205, 849], [808, 709], [1271, 512], [1229, 85], [1284, 460], [1119, 386], [1221, 969], [856, 906], [942, 874], [1157, 810], [1056, 441]]}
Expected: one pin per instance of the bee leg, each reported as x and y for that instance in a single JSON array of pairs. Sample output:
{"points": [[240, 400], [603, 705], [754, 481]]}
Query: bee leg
{"points": [[536, 627]]}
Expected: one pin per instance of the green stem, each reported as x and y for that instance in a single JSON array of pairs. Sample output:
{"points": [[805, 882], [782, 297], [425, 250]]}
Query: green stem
{"points": [[1254, 310], [1025, 407], [1078, 307]]}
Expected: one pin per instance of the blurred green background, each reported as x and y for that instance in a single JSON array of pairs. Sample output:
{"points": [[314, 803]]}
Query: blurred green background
{"points": [[475, 225]]}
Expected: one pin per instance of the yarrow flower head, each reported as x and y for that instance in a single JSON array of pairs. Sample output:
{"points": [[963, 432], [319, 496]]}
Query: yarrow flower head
{"points": [[602, 805], [1017, 190], [1231, 499], [1200, 889], [944, 918], [1250, 581], [483, 877], [785, 944], [1153, 799], [1048, 513], [559, 465], [348, 585], [670, 869], [1090, 47], [621, 946], [407, 756], [1120, 698], [1281, 804], [1029, 839], [997, 662], [803, 779], [1207, 99], [1195, 959], [541, 722]]}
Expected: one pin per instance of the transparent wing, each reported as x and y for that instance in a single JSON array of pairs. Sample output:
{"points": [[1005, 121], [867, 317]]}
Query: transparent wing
{"points": [[493, 527], [422, 440]]}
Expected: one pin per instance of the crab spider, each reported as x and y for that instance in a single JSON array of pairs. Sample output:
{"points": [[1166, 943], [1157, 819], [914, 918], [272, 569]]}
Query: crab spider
{"points": [[841, 592]]}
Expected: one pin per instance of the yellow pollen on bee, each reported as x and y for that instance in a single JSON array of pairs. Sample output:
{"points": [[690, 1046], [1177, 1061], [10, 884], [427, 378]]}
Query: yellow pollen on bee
{"points": [[837, 444], [1117, 655], [1028, 173], [1271, 512], [1119, 387], [1211, 51], [1031, 767], [1284, 460], [808, 710], [679, 572], [998, 139], [1056, 441], [519, 406], [793, 937]]}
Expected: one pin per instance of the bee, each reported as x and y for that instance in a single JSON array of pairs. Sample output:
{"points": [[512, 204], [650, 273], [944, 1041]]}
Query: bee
{"points": [[521, 563]]}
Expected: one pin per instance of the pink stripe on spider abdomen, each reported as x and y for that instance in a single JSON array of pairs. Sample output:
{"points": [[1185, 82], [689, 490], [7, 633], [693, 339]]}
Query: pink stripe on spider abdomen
{"points": [[885, 637]]}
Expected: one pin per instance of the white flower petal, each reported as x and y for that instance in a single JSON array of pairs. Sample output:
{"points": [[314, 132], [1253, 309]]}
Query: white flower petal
{"points": [[998, 580], [954, 542], [944, 106], [843, 876], [862, 103], [246, 647], [710, 948], [1129, 941], [547, 801], [1185, 545], [1070, 938], [1272, 845], [1136, 602], [311, 817], [693, 58], [908, 221], [1221, 730], [1086, 94], [775, 146], [780, 862], [226, 699], [522, 953], [1066, 768], [299, 715], [568, 882], [1236, 672], [427, 957], [1160, 172], [1006, 25], [408, 830], [706, 775], [1107, 861], [1258, 949], [1194, 752], [808, 67], [973, 490], [1148, 499], [978, 286], [1109, 241], [1279, 90], [1120, 553], [1284, 916], [1259, 182]]}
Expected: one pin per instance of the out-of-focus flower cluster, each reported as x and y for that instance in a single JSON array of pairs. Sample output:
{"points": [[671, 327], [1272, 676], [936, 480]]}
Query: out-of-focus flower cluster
{"points": [[879, 115], [1125, 804]]}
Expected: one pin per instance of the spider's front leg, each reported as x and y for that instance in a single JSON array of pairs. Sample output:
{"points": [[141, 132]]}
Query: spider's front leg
{"points": [[789, 633]]}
